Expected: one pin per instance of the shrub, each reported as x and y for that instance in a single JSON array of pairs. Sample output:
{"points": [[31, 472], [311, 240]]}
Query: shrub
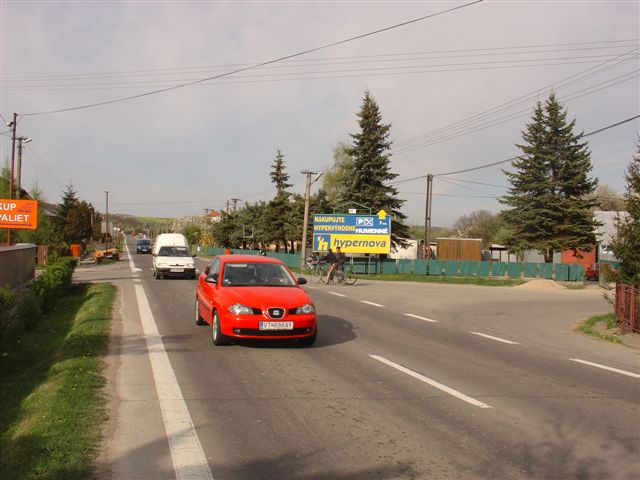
{"points": [[55, 278], [7, 304], [19, 311]]}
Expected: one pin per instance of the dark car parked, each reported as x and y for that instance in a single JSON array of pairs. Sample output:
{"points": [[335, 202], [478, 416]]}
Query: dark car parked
{"points": [[143, 246]]}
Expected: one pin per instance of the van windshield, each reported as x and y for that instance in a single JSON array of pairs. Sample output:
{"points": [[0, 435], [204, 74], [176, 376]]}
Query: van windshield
{"points": [[174, 252]]}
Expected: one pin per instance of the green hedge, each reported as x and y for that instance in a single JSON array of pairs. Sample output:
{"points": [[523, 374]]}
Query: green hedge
{"points": [[20, 310]]}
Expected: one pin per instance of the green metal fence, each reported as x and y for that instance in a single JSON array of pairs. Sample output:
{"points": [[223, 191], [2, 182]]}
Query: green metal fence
{"points": [[464, 268]]}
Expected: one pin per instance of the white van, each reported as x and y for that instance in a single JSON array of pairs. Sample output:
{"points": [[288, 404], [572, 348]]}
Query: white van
{"points": [[171, 256]]}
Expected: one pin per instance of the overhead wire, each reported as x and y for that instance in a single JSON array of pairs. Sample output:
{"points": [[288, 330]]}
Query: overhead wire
{"points": [[380, 57], [519, 114], [507, 160], [226, 74], [527, 98], [263, 78]]}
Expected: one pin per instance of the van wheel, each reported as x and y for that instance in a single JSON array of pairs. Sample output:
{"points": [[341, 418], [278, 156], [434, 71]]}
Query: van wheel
{"points": [[157, 275]]}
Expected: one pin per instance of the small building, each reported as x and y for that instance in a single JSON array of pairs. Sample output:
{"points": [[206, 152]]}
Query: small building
{"points": [[213, 217], [459, 249]]}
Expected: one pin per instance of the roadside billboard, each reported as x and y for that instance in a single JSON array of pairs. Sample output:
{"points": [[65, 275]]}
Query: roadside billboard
{"points": [[353, 233], [18, 214]]}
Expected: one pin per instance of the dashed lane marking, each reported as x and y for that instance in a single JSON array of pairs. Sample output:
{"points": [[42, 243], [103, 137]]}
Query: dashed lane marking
{"points": [[371, 303], [420, 318], [497, 339], [337, 294], [604, 367], [433, 383]]}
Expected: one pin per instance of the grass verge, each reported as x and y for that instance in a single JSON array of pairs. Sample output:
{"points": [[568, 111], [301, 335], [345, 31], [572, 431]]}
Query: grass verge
{"points": [[600, 326], [51, 408], [484, 281]]}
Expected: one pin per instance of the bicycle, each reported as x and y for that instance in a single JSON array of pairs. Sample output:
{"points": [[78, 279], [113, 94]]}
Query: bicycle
{"points": [[341, 276], [313, 268]]}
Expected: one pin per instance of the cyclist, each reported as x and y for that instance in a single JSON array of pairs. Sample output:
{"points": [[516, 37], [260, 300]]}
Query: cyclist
{"points": [[336, 260]]}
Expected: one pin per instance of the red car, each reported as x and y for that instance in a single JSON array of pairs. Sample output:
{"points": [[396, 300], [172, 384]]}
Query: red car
{"points": [[253, 297], [593, 272]]}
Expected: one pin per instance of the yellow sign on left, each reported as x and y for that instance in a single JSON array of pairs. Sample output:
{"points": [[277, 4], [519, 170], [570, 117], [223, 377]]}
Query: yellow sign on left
{"points": [[18, 214]]}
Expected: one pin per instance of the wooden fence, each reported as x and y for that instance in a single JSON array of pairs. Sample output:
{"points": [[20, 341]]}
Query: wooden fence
{"points": [[627, 308]]}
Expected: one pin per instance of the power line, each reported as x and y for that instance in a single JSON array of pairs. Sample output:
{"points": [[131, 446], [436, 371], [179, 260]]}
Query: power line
{"points": [[514, 116], [490, 51], [557, 86], [329, 45], [511, 159], [100, 82], [478, 183], [450, 195], [457, 184], [518, 156]]}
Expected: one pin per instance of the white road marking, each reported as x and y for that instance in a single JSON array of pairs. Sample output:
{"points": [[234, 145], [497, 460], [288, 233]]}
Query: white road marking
{"points": [[431, 382], [132, 266], [371, 303], [604, 367], [189, 461], [497, 339], [337, 294], [420, 318]]}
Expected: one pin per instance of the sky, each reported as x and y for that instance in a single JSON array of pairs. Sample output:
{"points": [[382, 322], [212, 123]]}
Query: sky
{"points": [[457, 89]]}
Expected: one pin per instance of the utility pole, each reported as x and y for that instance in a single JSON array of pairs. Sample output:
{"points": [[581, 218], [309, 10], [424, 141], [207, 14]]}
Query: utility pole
{"points": [[227, 209], [13, 126], [307, 194], [427, 218], [21, 141], [106, 225], [235, 204]]}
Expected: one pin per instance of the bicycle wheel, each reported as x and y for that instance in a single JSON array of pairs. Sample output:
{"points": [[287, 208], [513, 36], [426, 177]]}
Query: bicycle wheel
{"points": [[316, 275], [349, 278], [306, 270]]}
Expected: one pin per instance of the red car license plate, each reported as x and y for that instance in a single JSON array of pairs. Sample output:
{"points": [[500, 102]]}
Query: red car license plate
{"points": [[276, 326]]}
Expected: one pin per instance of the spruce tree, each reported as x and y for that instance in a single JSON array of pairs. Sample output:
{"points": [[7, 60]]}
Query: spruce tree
{"points": [[368, 183], [62, 217], [278, 210], [626, 245], [551, 192]]}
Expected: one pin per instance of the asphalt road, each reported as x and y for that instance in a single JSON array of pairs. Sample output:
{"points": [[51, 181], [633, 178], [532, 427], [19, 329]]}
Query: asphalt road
{"points": [[405, 381]]}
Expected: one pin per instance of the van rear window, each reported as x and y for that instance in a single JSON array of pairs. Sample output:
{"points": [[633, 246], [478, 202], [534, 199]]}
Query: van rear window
{"points": [[174, 252]]}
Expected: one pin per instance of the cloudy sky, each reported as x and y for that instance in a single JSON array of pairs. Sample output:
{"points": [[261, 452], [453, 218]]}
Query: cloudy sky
{"points": [[457, 89]]}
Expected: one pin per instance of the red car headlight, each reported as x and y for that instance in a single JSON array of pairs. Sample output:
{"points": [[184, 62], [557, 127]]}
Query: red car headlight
{"points": [[239, 309], [304, 309]]}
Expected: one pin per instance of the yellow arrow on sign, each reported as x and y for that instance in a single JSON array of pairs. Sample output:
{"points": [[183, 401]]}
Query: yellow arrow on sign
{"points": [[382, 214]]}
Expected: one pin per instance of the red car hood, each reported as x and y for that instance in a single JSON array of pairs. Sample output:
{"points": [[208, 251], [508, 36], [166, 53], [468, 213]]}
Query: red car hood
{"points": [[263, 297]]}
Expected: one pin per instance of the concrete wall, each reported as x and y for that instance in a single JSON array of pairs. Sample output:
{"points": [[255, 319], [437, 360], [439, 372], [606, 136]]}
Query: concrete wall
{"points": [[17, 265]]}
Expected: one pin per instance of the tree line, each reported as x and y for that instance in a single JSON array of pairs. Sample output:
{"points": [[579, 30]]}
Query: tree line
{"points": [[548, 206]]}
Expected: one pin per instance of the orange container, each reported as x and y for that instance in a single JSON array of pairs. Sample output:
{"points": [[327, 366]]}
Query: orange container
{"points": [[75, 250]]}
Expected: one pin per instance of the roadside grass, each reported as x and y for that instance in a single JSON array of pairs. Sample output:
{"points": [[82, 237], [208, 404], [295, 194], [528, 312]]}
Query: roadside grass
{"points": [[406, 277], [51, 408], [599, 326]]}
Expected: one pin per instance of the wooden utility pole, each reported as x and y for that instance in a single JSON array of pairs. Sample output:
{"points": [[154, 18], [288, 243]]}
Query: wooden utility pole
{"points": [[427, 218], [307, 193], [13, 156]]}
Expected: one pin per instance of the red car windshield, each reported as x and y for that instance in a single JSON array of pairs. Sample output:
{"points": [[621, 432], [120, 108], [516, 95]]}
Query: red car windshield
{"points": [[256, 275]]}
